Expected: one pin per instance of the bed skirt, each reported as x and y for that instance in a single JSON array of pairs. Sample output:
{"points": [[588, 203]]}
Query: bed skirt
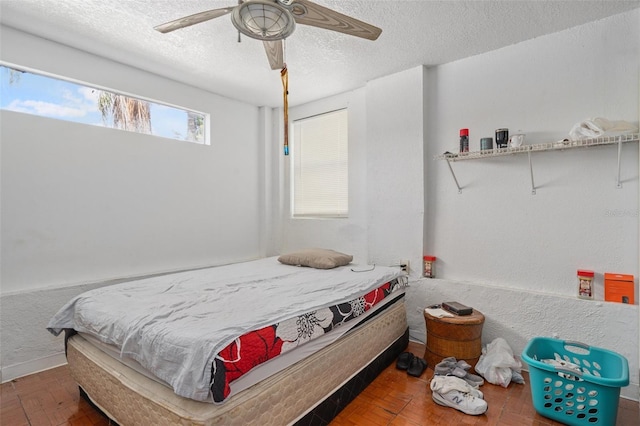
{"points": [[311, 391]]}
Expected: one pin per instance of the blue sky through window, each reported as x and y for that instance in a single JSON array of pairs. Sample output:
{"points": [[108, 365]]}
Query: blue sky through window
{"points": [[55, 98]]}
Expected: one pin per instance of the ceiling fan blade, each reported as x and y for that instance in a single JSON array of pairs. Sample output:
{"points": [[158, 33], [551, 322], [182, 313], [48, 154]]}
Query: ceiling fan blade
{"points": [[322, 17], [274, 54], [196, 18]]}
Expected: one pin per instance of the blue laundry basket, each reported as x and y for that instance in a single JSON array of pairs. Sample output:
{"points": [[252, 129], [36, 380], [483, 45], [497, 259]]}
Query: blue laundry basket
{"points": [[586, 396]]}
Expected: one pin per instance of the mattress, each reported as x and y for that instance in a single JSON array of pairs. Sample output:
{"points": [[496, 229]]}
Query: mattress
{"points": [[131, 398], [265, 369], [200, 330]]}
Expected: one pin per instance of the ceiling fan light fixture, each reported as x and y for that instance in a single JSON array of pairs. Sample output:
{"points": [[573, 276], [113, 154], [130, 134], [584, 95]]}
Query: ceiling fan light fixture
{"points": [[263, 20]]}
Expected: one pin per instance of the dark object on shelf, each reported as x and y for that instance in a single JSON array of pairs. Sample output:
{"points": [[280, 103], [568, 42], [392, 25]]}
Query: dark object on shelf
{"points": [[457, 308], [486, 143], [502, 138]]}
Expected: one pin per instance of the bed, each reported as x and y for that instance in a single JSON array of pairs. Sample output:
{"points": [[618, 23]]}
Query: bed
{"points": [[256, 342]]}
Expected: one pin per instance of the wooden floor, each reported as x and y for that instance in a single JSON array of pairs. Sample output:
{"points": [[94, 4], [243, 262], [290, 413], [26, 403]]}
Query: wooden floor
{"points": [[51, 398]]}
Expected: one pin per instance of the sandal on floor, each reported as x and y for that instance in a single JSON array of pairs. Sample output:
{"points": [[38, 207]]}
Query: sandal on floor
{"points": [[417, 367], [404, 360]]}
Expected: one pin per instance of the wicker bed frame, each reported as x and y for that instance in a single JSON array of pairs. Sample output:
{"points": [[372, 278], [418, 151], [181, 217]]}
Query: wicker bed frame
{"points": [[312, 391]]}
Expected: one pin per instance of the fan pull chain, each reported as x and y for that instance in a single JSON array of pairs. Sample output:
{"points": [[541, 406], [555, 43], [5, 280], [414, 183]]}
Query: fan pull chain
{"points": [[284, 75]]}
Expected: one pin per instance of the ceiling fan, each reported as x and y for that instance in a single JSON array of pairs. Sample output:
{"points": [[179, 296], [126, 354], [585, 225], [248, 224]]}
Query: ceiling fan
{"points": [[272, 21]]}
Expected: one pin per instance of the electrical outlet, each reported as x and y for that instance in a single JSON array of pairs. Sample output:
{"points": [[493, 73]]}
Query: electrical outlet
{"points": [[404, 264]]}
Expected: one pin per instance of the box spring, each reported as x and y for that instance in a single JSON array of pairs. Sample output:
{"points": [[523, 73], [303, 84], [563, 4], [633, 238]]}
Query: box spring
{"points": [[335, 375]]}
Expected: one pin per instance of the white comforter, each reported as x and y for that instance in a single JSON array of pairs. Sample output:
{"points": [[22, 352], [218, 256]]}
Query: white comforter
{"points": [[174, 325]]}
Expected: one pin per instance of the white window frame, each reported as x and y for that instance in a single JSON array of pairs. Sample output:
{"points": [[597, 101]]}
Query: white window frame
{"points": [[205, 140]]}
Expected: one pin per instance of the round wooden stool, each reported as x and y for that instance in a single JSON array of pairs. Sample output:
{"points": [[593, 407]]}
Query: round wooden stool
{"points": [[457, 336]]}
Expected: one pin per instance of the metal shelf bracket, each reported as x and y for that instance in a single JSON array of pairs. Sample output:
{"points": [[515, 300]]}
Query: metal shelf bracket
{"points": [[533, 185], [618, 183], [454, 176]]}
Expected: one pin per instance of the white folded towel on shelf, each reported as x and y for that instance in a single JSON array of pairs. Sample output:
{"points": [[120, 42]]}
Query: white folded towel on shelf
{"points": [[596, 127]]}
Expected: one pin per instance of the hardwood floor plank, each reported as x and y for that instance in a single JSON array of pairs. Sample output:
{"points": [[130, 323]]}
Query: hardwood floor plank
{"points": [[394, 398]]}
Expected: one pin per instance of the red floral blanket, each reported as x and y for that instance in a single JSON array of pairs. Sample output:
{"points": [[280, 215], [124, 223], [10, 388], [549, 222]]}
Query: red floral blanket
{"points": [[259, 346]]}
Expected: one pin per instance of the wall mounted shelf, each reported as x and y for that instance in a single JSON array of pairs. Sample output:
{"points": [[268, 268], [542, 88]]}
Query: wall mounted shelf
{"points": [[529, 149]]}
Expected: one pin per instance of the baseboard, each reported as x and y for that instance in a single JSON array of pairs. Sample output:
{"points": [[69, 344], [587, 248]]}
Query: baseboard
{"points": [[14, 371]]}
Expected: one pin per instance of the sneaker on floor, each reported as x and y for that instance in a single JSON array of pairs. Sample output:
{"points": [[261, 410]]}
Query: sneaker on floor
{"points": [[464, 402], [475, 392], [452, 391], [444, 384]]}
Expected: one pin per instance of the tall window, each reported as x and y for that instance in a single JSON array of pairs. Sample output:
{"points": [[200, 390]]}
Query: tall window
{"points": [[320, 166], [37, 94]]}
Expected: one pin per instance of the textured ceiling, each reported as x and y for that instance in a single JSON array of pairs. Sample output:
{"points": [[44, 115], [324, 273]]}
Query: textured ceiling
{"points": [[320, 62]]}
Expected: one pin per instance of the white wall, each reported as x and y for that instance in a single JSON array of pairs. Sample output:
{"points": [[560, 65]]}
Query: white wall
{"points": [[395, 191], [510, 254], [84, 204], [385, 145], [496, 232]]}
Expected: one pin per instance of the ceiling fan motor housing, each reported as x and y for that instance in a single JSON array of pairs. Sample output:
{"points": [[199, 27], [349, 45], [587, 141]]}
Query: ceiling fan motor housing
{"points": [[264, 19]]}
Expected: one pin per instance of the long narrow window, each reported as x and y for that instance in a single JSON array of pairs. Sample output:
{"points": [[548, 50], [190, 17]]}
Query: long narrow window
{"points": [[46, 96], [320, 166]]}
